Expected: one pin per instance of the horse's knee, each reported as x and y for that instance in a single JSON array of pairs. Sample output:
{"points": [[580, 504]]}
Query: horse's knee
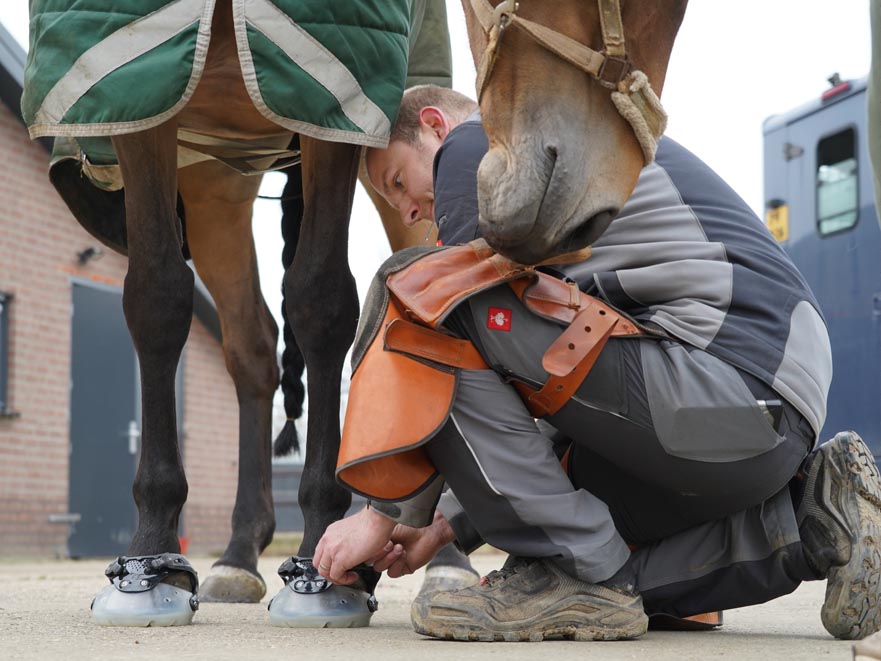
{"points": [[323, 311], [158, 305]]}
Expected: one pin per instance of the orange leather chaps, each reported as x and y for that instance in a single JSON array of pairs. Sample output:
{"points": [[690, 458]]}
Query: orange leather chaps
{"points": [[403, 387]]}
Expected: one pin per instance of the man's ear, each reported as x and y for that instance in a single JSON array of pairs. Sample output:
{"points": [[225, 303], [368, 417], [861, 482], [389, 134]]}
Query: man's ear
{"points": [[434, 122]]}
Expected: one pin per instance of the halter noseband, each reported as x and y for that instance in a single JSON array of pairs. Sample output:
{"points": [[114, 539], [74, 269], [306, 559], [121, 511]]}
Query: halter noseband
{"points": [[633, 97]]}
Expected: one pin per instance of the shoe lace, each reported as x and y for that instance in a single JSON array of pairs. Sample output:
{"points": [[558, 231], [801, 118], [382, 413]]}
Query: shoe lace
{"points": [[500, 575]]}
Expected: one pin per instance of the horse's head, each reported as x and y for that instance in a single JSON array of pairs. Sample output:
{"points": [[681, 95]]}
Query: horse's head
{"points": [[563, 159]]}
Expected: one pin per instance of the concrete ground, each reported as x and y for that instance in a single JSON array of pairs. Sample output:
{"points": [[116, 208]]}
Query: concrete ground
{"points": [[44, 614]]}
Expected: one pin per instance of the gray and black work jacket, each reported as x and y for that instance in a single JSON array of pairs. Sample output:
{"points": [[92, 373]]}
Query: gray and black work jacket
{"points": [[687, 255]]}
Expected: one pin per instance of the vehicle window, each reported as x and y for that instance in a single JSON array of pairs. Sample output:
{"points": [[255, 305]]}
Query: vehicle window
{"points": [[837, 191]]}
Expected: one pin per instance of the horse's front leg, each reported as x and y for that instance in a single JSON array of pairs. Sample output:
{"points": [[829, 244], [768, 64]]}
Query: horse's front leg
{"points": [[150, 586], [322, 306]]}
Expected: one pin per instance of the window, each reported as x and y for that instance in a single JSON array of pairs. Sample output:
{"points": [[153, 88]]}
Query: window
{"points": [[837, 190], [5, 299]]}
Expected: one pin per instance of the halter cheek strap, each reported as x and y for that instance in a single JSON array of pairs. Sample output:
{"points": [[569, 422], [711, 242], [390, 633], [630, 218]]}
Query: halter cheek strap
{"points": [[632, 95]]}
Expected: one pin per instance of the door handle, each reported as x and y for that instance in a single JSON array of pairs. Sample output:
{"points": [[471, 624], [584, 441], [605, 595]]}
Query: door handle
{"points": [[134, 437]]}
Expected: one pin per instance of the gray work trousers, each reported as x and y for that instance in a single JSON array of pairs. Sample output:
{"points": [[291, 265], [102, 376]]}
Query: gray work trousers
{"points": [[673, 468]]}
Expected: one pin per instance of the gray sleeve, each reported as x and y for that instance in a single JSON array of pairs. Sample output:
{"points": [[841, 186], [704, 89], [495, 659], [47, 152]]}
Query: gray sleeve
{"points": [[467, 537], [416, 512]]}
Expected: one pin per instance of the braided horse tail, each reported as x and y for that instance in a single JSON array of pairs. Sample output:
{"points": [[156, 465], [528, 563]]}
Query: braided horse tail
{"points": [[292, 363]]}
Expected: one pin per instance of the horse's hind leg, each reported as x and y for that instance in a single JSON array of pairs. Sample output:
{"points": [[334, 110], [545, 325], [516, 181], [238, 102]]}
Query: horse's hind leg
{"points": [[158, 306], [218, 203]]}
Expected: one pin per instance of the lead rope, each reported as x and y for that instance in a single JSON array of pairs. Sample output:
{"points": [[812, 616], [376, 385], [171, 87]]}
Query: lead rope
{"points": [[632, 95]]}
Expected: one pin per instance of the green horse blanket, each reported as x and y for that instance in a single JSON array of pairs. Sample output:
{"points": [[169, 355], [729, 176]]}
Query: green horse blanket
{"points": [[330, 69]]}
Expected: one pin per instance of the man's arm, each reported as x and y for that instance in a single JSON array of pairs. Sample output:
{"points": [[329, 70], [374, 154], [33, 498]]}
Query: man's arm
{"points": [[414, 547], [415, 512], [362, 537], [466, 537]]}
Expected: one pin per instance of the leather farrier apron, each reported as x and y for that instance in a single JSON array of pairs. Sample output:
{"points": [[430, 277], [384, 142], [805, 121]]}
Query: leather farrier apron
{"points": [[405, 366]]}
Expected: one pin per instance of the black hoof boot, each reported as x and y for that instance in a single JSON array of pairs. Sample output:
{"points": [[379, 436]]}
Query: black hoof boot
{"points": [[148, 591], [308, 600]]}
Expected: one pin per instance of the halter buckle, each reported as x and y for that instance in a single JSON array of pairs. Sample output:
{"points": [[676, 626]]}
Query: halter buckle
{"points": [[504, 12], [613, 70]]}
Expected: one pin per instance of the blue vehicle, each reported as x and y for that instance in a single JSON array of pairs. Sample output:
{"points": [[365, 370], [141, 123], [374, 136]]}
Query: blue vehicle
{"points": [[819, 204]]}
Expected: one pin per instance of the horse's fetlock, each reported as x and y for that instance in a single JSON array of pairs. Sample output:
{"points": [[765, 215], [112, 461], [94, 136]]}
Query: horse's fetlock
{"points": [[267, 534], [261, 529]]}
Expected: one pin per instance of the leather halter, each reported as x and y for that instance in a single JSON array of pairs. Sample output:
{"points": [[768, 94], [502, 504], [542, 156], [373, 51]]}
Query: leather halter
{"points": [[611, 68]]}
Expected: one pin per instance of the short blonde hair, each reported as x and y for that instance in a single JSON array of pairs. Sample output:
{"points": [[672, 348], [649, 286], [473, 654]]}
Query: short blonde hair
{"points": [[456, 106]]}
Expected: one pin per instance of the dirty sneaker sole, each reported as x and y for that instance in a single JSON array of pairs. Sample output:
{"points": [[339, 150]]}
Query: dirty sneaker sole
{"points": [[853, 590], [573, 619]]}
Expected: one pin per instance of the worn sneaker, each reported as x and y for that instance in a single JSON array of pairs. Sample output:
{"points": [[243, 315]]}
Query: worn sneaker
{"points": [[446, 578], [840, 525], [530, 600]]}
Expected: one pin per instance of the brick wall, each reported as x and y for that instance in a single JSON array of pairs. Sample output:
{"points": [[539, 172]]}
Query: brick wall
{"points": [[39, 240]]}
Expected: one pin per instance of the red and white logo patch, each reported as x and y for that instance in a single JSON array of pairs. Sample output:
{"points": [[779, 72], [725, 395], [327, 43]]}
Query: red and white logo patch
{"points": [[499, 319]]}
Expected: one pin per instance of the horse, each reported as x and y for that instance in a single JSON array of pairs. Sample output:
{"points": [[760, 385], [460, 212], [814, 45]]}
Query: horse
{"points": [[568, 95], [157, 296], [203, 210]]}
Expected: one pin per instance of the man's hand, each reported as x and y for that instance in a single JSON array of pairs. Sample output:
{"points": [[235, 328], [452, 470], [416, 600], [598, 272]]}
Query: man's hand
{"points": [[414, 547], [351, 541]]}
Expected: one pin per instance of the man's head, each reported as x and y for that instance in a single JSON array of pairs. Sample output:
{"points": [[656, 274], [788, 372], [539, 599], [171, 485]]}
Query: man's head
{"points": [[402, 173]]}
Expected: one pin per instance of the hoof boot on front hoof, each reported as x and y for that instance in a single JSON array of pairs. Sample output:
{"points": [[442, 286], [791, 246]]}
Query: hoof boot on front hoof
{"points": [[145, 591], [228, 584], [310, 601]]}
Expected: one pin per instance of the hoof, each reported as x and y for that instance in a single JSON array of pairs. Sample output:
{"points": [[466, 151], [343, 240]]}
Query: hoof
{"points": [[149, 591], [447, 578], [228, 584], [310, 601], [163, 606], [338, 607]]}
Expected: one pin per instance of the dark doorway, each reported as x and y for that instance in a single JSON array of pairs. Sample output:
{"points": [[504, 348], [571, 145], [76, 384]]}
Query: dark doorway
{"points": [[104, 424]]}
